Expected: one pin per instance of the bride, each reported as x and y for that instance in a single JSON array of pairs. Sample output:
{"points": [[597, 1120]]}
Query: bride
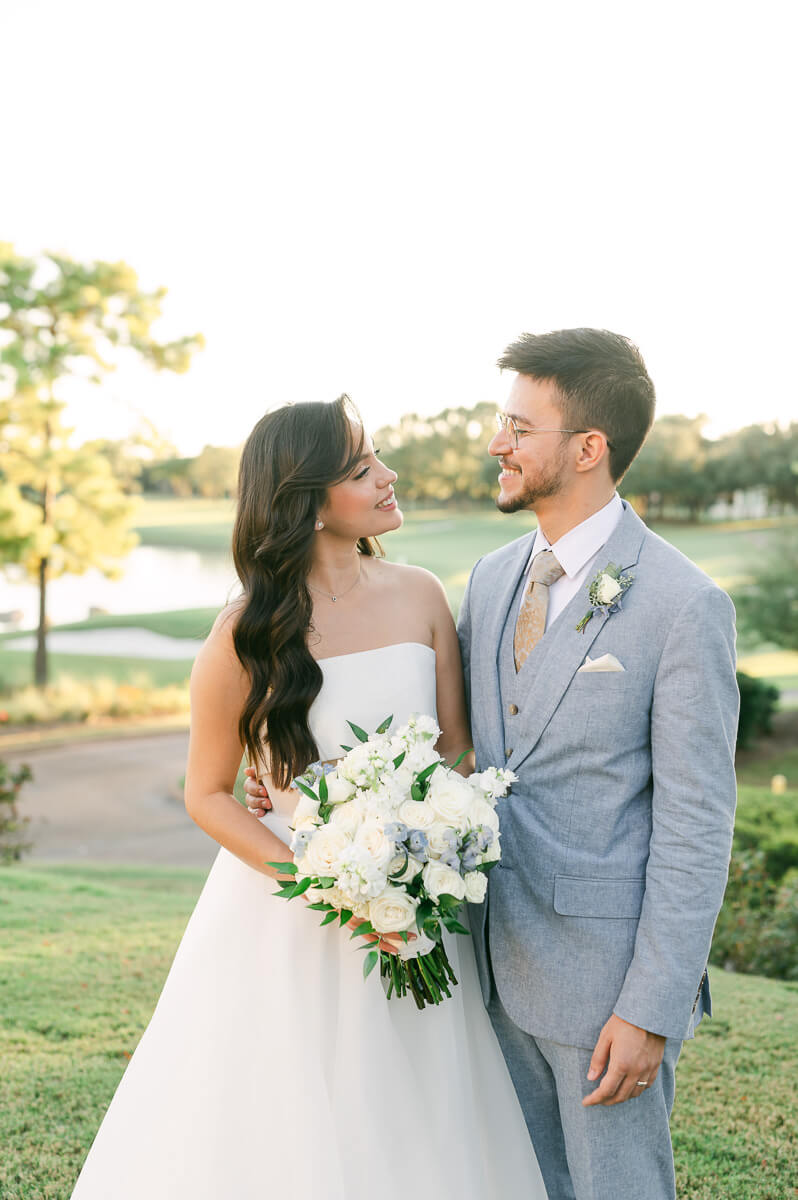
{"points": [[270, 1068]]}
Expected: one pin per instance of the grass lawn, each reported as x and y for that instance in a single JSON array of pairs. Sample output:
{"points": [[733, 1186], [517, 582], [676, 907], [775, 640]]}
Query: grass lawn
{"points": [[16, 668], [85, 950]]}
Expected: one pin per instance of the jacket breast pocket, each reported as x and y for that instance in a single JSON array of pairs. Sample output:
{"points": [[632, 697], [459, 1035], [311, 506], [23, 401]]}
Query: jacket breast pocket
{"points": [[576, 896]]}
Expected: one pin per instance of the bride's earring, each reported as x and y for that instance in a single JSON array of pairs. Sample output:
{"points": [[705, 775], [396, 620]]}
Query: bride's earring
{"points": [[319, 525]]}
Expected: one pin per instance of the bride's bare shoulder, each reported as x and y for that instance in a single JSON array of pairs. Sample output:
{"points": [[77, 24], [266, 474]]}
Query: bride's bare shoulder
{"points": [[410, 580], [218, 650]]}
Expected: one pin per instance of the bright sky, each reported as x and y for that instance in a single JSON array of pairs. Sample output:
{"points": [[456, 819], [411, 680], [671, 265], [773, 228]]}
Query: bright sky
{"points": [[371, 197]]}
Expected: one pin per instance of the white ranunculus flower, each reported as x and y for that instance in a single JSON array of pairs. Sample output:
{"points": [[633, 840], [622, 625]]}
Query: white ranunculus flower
{"points": [[323, 851], [419, 727], [476, 885], [417, 814], [411, 869], [347, 817], [608, 589], [370, 837], [339, 790], [492, 783], [306, 813], [440, 880], [333, 896], [393, 911], [450, 796], [363, 763]]}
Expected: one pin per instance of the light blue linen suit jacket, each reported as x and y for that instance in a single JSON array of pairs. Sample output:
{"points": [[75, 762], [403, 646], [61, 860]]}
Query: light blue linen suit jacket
{"points": [[617, 836]]}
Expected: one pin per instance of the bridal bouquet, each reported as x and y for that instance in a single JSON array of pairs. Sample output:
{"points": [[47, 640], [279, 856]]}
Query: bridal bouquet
{"points": [[393, 836]]}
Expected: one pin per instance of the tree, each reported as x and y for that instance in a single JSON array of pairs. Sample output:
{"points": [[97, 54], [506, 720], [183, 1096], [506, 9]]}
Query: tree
{"points": [[61, 319], [671, 467], [214, 472], [768, 605]]}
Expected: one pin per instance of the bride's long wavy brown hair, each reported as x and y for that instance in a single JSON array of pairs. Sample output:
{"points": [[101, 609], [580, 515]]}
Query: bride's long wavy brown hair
{"points": [[290, 459]]}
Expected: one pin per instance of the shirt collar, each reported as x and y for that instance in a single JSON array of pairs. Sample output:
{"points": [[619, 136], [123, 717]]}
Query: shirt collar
{"points": [[580, 544]]}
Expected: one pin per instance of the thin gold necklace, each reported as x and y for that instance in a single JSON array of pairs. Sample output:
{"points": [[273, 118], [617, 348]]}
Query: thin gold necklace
{"points": [[329, 595]]}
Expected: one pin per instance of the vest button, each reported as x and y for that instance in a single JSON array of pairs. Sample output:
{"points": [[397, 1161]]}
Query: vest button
{"points": [[507, 753], [513, 709]]}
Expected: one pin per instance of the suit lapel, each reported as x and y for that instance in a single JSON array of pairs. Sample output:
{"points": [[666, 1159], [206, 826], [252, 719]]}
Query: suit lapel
{"points": [[561, 651], [486, 643]]}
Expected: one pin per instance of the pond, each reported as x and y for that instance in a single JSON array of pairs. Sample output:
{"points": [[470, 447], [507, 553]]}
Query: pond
{"points": [[153, 579]]}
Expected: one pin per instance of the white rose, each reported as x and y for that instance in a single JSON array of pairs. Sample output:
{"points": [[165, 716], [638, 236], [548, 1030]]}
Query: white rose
{"points": [[339, 790], [393, 911], [493, 852], [483, 813], [333, 896], [371, 838], [417, 814], [450, 796], [411, 870], [440, 880], [439, 839], [347, 817], [323, 851], [306, 813], [476, 885], [607, 590]]}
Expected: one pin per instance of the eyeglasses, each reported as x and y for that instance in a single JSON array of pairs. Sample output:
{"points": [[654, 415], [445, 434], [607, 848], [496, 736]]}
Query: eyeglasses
{"points": [[506, 424]]}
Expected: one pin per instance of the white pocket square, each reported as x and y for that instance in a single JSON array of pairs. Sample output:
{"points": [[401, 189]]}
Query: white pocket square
{"points": [[607, 662]]}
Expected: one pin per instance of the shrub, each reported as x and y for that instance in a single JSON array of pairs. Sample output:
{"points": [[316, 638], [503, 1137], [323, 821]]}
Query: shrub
{"points": [[757, 930], [758, 703], [12, 843], [70, 699]]}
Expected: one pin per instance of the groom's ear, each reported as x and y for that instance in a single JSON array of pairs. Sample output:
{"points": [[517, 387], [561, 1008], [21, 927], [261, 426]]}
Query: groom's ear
{"points": [[593, 452]]}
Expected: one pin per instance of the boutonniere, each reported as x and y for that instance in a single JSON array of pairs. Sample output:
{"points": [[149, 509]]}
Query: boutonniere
{"points": [[606, 593]]}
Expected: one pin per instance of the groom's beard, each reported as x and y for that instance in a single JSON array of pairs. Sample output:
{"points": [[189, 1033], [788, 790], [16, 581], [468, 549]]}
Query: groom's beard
{"points": [[547, 484]]}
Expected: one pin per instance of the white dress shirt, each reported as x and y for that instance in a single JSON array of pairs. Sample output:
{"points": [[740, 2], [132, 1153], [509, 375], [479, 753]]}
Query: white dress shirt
{"points": [[576, 552]]}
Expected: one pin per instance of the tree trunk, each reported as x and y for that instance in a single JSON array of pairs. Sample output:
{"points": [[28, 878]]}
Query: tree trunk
{"points": [[41, 668]]}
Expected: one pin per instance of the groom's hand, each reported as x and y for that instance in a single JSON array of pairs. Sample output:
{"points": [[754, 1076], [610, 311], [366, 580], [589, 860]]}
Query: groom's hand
{"points": [[633, 1055]]}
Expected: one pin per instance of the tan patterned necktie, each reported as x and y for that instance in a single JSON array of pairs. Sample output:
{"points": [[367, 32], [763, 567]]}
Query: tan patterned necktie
{"points": [[531, 621]]}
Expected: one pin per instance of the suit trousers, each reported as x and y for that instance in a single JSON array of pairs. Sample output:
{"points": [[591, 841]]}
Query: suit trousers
{"points": [[597, 1153]]}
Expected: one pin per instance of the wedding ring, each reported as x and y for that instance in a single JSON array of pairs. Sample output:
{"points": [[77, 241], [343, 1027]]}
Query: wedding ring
{"points": [[642, 1083]]}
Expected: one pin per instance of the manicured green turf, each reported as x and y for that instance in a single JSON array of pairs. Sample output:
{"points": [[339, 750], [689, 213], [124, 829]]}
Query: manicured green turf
{"points": [[84, 952], [16, 668]]}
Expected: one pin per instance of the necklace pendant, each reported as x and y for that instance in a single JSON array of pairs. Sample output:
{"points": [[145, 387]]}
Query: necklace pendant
{"points": [[334, 599]]}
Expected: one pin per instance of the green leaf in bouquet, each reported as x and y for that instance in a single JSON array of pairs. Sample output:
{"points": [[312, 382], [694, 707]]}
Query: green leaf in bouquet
{"points": [[448, 903], [400, 870], [331, 916], [403, 934], [345, 749], [303, 787], [325, 881], [324, 812], [454, 926], [417, 792], [424, 911], [323, 792], [460, 757], [400, 758], [385, 725], [424, 775], [346, 916], [365, 927], [301, 887], [285, 868], [322, 906], [359, 733], [369, 963], [285, 892], [488, 866]]}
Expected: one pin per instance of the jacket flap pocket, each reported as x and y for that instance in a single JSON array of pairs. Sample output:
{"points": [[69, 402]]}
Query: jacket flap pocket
{"points": [[575, 896]]}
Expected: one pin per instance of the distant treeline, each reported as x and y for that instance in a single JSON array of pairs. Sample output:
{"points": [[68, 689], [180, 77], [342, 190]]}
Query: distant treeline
{"points": [[442, 459]]}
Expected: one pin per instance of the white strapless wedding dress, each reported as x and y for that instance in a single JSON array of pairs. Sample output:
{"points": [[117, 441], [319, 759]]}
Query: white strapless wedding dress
{"points": [[271, 1069]]}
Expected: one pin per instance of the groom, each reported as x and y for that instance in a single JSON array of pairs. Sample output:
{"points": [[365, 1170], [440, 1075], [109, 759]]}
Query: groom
{"points": [[616, 706]]}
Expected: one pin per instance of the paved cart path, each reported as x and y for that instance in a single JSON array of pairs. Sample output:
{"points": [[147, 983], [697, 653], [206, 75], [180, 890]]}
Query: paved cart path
{"points": [[112, 801]]}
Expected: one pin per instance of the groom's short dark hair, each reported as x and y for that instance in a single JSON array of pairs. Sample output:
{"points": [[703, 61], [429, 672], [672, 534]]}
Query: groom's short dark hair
{"points": [[602, 383]]}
